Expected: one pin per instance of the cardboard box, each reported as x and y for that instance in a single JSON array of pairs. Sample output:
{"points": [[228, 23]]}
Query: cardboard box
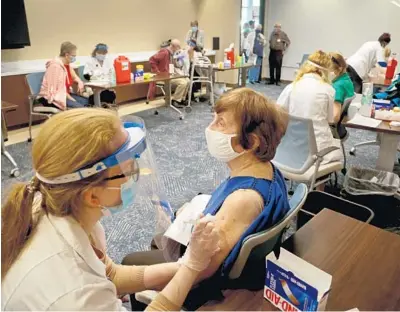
{"points": [[292, 284]]}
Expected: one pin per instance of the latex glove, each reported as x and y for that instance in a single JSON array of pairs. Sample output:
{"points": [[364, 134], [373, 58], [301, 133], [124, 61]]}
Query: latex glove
{"points": [[203, 244]]}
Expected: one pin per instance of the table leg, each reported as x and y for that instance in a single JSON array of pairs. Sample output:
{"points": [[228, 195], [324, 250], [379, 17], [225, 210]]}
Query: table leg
{"points": [[243, 71], [387, 151], [168, 99], [4, 131], [96, 97], [167, 85]]}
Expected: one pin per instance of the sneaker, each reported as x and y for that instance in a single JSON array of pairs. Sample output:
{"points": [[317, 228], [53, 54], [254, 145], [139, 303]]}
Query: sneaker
{"points": [[177, 104], [270, 83], [278, 83]]}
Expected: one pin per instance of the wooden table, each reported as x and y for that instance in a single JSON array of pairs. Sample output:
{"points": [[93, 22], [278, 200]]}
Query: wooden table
{"points": [[388, 137], [98, 87], [242, 68], [362, 259], [5, 108]]}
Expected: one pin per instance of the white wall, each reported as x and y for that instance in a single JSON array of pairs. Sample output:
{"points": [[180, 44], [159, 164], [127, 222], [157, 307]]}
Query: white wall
{"points": [[331, 25]]}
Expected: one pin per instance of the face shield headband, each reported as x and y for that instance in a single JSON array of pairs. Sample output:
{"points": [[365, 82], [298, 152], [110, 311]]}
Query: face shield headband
{"points": [[133, 147]]}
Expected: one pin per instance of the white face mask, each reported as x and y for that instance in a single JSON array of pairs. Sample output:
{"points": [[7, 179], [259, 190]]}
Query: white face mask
{"points": [[219, 145], [100, 57]]}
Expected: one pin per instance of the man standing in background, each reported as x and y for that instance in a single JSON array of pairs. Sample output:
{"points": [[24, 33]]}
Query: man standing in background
{"points": [[278, 43]]}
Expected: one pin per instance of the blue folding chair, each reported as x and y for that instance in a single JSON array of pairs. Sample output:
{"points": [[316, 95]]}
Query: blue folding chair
{"points": [[34, 82]]}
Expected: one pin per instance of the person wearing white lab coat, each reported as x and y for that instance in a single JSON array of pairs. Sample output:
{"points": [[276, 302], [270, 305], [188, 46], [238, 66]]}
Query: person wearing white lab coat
{"points": [[311, 96], [54, 257], [365, 59], [100, 67], [195, 34]]}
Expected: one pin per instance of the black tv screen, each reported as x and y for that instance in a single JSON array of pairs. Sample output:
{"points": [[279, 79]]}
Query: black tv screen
{"points": [[14, 27]]}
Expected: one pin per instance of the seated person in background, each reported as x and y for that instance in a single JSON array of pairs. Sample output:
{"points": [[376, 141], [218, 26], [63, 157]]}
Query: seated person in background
{"points": [[56, 89], [312, 96], [99, 67], [342, 83], [365, 59], [196, 35], [245, 133], [160, 64]]}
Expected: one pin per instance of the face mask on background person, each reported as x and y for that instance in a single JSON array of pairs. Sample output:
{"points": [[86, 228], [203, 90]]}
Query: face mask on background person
{"points": [[331, 76], [194, 28], [100, 57], [219, 145], [72, 59], [128, 194]]}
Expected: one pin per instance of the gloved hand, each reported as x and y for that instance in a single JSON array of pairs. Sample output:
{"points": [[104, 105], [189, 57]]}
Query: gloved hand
{"points": [[203, 244]]}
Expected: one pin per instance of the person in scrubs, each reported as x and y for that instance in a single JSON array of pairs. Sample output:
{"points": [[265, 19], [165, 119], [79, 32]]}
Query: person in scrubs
{"points": [[341, 82], [99, 68], [195, 34], [88, 164], [365, 59]]}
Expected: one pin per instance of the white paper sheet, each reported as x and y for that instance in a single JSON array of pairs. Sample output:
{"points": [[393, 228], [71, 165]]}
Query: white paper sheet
{"points": [[181, 229], [364, 121]]}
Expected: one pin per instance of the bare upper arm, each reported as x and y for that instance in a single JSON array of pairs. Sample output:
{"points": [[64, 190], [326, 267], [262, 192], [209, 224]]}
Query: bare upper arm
{"points": [[237, 213]]}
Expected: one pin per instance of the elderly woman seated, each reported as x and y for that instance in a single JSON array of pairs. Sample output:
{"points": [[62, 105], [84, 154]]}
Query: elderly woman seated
{"points": [[245, 133]]}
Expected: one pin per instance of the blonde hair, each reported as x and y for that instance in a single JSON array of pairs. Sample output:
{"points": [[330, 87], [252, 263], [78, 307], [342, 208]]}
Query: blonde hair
{"points": [[339, 65], [255, 114], [319, 58], [67, 47], [387, 52], [67, 142]]}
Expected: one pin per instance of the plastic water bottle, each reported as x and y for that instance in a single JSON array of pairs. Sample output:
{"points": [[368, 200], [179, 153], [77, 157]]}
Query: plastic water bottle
{"points": [[111, 75], [366, 100]]}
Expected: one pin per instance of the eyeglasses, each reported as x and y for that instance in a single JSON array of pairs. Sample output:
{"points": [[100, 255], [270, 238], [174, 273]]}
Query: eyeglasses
{"points": [[135, 175]]}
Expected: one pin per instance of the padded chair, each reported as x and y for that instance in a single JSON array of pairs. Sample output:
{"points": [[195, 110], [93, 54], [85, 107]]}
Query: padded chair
{"points": [[339, 131], [375, 142], [80, 73], [255, 247], [159, 85], [34, 82], [305, 58], [316, 201], [259, 245], [298, 158]]}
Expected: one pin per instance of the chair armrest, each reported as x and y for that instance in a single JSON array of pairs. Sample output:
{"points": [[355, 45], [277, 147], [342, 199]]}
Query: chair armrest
{"points": [[327, 151]]}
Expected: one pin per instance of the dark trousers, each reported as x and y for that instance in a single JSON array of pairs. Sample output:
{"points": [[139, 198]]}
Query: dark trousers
{"points": [[355, 78], [260, 75], [275, 64]]}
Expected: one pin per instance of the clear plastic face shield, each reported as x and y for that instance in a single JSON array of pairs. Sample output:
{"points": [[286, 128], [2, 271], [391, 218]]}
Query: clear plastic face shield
{"points": [[133, 176]]}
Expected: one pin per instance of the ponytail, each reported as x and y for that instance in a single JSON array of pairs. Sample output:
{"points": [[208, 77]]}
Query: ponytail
{"points": [[16, 223]]}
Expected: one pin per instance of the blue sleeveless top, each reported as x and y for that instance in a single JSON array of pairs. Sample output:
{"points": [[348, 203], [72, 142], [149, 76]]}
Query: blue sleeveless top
{"points": [[276, 205]]}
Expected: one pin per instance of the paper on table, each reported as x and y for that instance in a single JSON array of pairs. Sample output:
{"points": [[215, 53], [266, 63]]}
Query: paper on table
{"points": [[99, 83], [181, 229], [364, 121]]}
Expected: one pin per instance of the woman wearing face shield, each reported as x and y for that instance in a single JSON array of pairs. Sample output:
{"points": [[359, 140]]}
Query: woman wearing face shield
{"points": [[52, 256], [195, 34], [56, 89], [99, 67]]}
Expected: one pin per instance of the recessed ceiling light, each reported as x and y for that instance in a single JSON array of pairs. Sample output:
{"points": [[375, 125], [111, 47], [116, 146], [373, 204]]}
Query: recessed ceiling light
{"points": [[396, 3]]}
